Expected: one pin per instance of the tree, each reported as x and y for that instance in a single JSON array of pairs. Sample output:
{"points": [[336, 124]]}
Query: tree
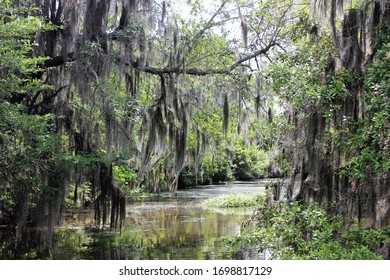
{"points": [[328, 82], [30, 149]]}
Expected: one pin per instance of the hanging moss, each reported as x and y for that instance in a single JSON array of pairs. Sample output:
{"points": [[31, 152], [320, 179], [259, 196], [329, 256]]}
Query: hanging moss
{"points": [[225, 114]]}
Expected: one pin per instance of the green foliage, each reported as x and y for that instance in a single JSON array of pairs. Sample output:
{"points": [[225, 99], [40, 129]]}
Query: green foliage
{"points": [[234, 200], [84, 195], [126, 178], [248, 162], [298, 77], [306, 231], [124, 107], [214, 169], [304, 77], [372, 133], [17, 42], [128, 32], [123, 175], [211, 50], [29, 146], [82, 160], [217, 168]]}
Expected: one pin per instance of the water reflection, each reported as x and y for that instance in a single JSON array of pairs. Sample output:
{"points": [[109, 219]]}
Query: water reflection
{"points": [[161, 227]]}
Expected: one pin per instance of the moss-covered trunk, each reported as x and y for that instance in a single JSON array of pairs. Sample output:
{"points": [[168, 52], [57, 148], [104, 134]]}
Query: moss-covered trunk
{"points": [[318, 163]]}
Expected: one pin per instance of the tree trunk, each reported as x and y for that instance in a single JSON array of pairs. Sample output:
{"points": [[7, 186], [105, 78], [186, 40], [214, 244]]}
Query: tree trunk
{"points": [[316, 176]]}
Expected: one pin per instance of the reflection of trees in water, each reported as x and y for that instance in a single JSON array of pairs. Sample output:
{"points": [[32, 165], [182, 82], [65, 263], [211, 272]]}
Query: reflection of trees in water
{"points": [[175, 234], [160, 228], [32, 244]]}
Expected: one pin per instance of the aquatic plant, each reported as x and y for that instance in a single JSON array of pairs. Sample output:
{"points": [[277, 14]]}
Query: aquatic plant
{"points": [[234, 200]]}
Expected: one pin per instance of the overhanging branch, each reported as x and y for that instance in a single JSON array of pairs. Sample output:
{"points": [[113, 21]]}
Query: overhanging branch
{"points": [[196, 71], [70, 57], [59, 60]]}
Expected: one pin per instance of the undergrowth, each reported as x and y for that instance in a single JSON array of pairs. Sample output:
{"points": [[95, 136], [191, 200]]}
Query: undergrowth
{"points": [[307, 231]]}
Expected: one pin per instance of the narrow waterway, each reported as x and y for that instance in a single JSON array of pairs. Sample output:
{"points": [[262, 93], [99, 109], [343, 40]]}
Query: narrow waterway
{"points": [[157, 226]]}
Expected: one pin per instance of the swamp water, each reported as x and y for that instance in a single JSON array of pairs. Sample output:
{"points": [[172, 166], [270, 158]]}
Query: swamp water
{"points": [[163, 227]]}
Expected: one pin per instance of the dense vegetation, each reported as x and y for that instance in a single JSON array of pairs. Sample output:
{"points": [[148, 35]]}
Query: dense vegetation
{"points": [[101, 99], [307, 231]]}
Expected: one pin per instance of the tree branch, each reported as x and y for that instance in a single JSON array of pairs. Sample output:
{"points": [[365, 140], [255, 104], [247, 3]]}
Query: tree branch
{"points": [[253, 55], [33, 106], [59, 60], [208, 25], [195, 71]]}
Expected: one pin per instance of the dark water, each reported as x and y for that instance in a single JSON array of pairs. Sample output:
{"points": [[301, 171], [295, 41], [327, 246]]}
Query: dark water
{"points": [[163, 227]]}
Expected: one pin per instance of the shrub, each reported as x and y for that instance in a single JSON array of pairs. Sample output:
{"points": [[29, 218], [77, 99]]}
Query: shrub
{"points": [[306, 231]]}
